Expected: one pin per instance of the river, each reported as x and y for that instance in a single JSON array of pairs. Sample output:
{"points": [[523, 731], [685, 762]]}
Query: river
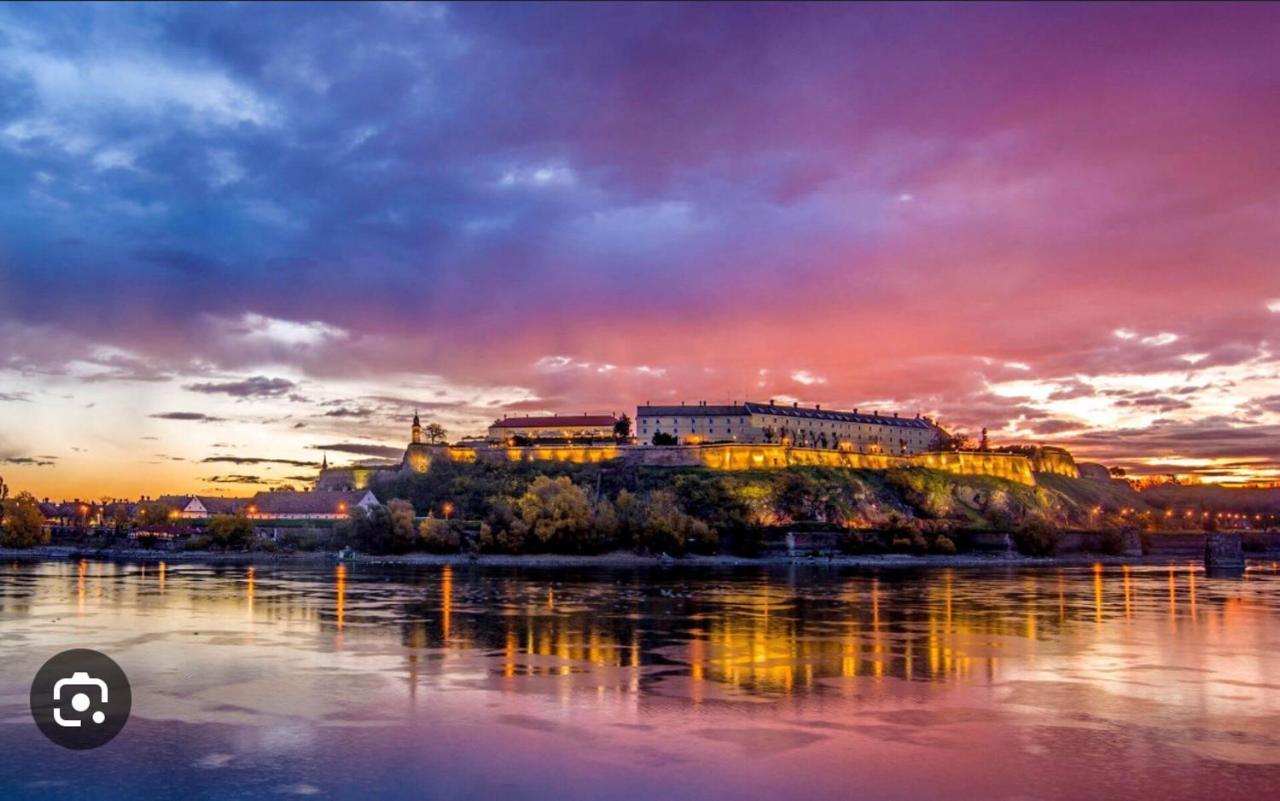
{"points": [[804, 682]]}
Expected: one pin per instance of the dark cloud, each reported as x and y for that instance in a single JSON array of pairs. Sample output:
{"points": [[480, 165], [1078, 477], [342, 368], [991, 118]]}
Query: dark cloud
{"points": [[237, 478], [191, 416], [126, 368], [1046, 428], [1154, 401], [1270, 403], [192, 264], [1208, 438], [29, 461], [15, 396], [343, 411], [361, 449], [258, 386], [257, 460]]}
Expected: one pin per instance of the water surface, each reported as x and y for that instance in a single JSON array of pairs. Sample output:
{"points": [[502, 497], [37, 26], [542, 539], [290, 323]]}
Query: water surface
{"points": [[804, 682]]}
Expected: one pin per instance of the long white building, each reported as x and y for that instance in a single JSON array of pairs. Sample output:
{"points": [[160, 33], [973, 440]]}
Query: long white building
{"points": [[794, 425]]}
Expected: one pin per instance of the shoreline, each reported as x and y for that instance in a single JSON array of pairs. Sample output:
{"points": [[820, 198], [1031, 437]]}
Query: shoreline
{"points": [[621, 559]]}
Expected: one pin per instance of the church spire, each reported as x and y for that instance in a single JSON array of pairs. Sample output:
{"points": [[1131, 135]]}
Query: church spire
{"points": [[324, 465], [417, 428]]}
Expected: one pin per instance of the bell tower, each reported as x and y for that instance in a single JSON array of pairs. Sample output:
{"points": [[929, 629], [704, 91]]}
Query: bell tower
{"points": [[417, 429]]}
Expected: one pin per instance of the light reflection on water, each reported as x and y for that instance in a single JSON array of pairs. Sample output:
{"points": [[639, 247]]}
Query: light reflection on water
{"points": [[812, 682]]}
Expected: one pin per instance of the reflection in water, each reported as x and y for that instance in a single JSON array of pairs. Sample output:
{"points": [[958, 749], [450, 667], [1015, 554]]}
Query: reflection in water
{"points": [[665, 667]]}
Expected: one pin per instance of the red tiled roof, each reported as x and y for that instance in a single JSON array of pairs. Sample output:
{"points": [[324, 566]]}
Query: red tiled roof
{"points": [[305, 503], [222, 506], [557, 421]]}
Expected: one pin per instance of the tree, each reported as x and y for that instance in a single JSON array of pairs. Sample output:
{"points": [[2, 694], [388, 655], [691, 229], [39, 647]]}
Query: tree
{"points": [[367, 530], [503, 530], [985, 443], [953, 442], [404, 532], [153, 514], [231, 532], [438, 536], [622, 428], [435, 433], [4, 496], [23, 523], [120, 517], [668, 529], [558, 515], [660, 438]]}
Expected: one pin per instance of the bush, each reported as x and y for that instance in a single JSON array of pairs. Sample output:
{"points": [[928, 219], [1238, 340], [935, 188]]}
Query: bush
{"points": [[404, 534], [438, 536], [502, 531], [668, 529], [1036, 537], [199, 542], [367, 531], [558, 516], [231, 532], [944, 545]]}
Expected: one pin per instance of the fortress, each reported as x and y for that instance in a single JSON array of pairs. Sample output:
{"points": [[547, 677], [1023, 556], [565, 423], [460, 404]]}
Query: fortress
{"points": [[754, 437]]}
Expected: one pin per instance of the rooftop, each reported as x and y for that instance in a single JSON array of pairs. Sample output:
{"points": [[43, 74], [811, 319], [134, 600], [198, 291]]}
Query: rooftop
{"points": [[801, 412], [282, 502]]}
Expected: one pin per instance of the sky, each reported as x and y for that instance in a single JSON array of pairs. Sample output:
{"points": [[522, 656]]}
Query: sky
{"points": [[237, 238]]}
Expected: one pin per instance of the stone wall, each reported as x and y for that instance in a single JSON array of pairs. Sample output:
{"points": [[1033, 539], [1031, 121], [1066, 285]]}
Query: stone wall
{"points": [[1058, 461], [971, 463], [731, 456], [734, 456]]}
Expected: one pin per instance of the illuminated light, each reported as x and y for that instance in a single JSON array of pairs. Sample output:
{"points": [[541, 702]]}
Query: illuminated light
{"points": [[446, 602], [1097, 593], [340, 590]]}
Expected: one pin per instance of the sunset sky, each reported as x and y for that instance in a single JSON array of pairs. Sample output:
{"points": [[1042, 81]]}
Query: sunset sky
{"points": [[235, 238]]}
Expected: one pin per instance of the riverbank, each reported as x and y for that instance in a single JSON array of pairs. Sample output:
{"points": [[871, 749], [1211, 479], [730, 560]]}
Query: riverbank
{"points": [[619, 559]]}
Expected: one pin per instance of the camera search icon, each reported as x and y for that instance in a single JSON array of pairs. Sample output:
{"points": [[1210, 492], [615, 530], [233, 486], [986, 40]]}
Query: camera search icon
{"points": [[80, 699]]}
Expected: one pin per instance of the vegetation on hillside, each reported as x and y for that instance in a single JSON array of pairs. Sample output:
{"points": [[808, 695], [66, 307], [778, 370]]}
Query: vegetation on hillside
{"points": [[560, 507]]}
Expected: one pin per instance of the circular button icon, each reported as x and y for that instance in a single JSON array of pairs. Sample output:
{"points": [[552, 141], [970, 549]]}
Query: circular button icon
{"points": [[81, 699]]}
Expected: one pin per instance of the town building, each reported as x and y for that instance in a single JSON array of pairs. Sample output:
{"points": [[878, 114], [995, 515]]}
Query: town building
{"points": [[200, 507], [793, 425], [585, 428], [316, 505]]}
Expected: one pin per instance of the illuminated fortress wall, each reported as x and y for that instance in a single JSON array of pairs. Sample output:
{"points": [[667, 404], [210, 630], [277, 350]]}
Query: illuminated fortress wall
{"points": [[735, 456], [1058, 461], [967, 463]]}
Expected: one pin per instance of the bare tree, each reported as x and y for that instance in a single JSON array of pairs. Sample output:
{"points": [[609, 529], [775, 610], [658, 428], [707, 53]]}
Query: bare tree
{"points": [[435, 433]]}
